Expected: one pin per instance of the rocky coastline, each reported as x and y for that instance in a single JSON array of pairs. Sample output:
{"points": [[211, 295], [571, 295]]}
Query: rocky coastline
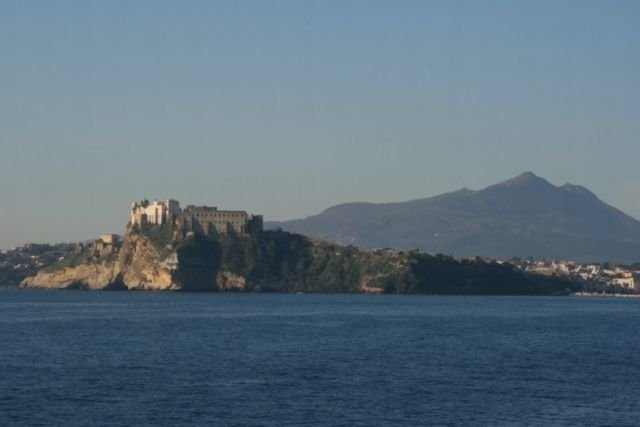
{"points": [[158, 258]]}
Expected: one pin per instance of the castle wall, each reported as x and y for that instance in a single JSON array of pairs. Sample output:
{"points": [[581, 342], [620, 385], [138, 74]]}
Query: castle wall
{"points": [[208, 220]]}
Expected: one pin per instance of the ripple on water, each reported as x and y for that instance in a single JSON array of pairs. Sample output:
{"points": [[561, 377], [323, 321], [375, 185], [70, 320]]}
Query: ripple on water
{"points": [[101, 358]]}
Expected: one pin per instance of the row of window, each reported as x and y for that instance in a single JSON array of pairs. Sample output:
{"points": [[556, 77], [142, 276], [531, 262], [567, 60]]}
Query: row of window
{"points": [[220, 215]]}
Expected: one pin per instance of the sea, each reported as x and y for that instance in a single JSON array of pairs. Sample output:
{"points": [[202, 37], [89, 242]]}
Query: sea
{"points": [[73, 358]]}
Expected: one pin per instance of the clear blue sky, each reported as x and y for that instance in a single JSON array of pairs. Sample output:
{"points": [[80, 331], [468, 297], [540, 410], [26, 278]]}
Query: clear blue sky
{"points": [[286, 108]]}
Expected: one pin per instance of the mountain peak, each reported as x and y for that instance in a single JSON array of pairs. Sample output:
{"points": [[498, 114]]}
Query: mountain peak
{"points": [[523, 216], [525, 179], [528, 175]]}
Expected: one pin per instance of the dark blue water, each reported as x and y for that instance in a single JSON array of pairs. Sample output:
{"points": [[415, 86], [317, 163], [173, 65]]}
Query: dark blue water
{"points": [[107, 358]]}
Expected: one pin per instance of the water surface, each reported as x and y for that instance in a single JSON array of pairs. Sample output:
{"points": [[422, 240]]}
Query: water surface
{"points": [[117, 358]]}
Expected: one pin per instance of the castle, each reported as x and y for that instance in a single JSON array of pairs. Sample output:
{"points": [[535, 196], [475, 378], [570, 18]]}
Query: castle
{"points": [[194, 219]]}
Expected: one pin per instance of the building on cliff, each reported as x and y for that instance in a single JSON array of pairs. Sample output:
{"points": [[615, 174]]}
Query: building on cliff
{"points": [[107, 244], [204, 220], [210, 220], [157, 213]]}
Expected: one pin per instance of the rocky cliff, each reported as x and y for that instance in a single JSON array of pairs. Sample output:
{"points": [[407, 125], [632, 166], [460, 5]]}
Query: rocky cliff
{"points": [[92, 275], [157, 258], [138, 265], [146, 266]]}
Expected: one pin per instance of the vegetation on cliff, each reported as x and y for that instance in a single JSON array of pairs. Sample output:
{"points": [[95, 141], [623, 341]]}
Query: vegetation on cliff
{"points": [[285, 262], [162, 258], [279, 261], [161, 237]]}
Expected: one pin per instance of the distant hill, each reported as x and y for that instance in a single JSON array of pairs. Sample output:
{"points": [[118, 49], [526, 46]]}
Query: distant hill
{"points": [[524, 216]]}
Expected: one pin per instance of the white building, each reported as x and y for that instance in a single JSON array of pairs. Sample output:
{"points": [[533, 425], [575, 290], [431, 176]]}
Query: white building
{"points": [[154, 213], [625, 282]]}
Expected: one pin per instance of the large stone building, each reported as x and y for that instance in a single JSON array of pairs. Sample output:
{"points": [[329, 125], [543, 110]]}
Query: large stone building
{"points": [[210, 220], [145, 212], [194, 219]]}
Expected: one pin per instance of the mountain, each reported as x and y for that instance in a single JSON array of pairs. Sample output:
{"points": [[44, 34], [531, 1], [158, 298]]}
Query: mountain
{"points": [[523, 216]]}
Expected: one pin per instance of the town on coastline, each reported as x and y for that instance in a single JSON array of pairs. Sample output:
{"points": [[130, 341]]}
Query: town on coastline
{"points": [[610, 276]]}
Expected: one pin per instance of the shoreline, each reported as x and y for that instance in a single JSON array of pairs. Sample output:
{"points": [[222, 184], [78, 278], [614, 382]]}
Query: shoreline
{"points": [[597, 294], [574, 294]]}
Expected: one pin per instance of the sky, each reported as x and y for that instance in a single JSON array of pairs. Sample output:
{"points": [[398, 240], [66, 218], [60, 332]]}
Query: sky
{"points": [[285, 108]]}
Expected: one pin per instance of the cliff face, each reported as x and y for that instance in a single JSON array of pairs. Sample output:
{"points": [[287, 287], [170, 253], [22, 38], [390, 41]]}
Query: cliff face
{"points": [[137, 266], [144, 266], [91, 276], [275, 261], [150, 261]]}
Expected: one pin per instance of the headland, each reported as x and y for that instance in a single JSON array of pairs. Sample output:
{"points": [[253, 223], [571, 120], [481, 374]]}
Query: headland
{"points": [[167, 248]]}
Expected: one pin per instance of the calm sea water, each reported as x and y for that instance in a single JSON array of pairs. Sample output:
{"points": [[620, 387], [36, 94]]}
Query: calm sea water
{"points": [[121, 359]]}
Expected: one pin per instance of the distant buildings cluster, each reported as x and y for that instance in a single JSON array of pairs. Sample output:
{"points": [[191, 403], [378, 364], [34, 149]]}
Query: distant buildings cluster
{"points": [[24, 261], [616, 276]]}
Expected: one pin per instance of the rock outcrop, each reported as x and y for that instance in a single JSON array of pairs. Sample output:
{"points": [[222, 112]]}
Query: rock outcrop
{"points": [[146, 267], [228, 281], [90, 276], [138, 266], [146, 261]]}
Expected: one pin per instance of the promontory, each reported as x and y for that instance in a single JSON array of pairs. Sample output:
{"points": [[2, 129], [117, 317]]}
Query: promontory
{"points": [[167, 248]]}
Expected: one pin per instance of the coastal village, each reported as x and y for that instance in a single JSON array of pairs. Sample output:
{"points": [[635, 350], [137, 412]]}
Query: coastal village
{"points": [[614, 276]]}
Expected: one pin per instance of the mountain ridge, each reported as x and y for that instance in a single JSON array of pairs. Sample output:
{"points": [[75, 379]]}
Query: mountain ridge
{"points": [[522, 216]]}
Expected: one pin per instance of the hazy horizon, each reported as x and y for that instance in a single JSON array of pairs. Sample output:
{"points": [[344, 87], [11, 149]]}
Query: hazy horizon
{"points": [[286, 108], [184, 203]]}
